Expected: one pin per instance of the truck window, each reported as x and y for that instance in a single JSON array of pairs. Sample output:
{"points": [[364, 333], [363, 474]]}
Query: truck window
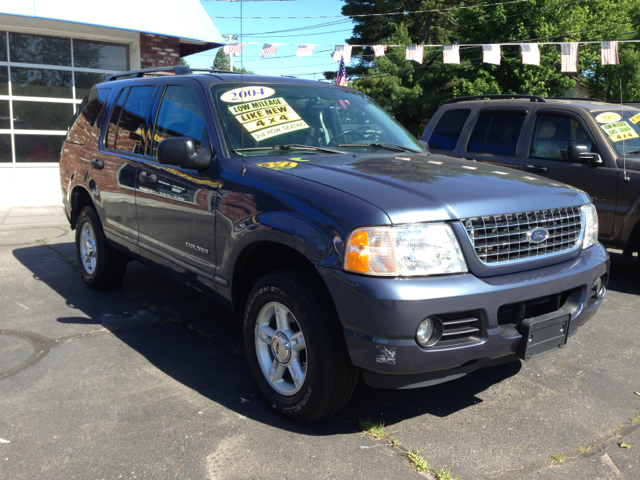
{"points": [[87, 115], [554, 134], [446, 133], [180, 115], [497, 133], [132, 128]]}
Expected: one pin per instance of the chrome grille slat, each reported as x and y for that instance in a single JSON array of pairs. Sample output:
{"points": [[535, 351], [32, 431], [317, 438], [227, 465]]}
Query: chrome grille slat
{"points": [[460, 331], [446, 323], [500, 239]]}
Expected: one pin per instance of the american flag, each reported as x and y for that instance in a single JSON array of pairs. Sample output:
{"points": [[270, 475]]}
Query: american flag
{"points": [[569, 55], [530, 53], [609, 53], [451, 54], [343, 104], [342, 51], [341, 79], [379, 50], [233, 48], [415, 52], [304, 50], [269, 49], [491, 54]]}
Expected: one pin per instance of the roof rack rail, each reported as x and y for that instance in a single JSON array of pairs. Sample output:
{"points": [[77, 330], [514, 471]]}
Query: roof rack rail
{"points": [[493, 96], [212, 70], [575, 98], [177, 70]]}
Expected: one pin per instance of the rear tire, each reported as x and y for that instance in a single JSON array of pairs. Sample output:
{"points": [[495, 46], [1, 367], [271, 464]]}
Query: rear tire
{"points": [[296, 349], [100, 265]]}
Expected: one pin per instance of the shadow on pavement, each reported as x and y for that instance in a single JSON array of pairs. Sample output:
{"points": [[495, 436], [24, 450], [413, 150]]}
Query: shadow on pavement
{"points": [[199, 344], [625, 276]]}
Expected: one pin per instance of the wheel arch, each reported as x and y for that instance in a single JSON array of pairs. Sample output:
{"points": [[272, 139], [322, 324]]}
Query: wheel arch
{"points": [[260, 259], [80, 198]]}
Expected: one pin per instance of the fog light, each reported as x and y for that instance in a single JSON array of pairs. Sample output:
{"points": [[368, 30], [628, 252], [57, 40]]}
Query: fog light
{"points": [[598, 287], [425, 331]]}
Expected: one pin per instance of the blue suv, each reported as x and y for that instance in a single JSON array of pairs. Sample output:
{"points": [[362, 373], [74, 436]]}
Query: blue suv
{"points": [[350, 249]]}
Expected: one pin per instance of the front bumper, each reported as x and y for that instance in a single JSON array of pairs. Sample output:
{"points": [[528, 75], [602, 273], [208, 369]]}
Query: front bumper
{"points": [[380, 316]]}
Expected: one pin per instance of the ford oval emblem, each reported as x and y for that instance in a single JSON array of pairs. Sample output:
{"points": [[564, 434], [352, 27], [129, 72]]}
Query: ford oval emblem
{"points": [[537, 235]]}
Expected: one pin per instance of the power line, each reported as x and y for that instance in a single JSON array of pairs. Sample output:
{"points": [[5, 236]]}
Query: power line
{"points": [[383, 14]]}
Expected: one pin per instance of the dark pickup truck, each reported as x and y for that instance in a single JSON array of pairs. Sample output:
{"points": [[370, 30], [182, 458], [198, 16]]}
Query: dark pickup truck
{"points": [[351, 250], [585, 143]]}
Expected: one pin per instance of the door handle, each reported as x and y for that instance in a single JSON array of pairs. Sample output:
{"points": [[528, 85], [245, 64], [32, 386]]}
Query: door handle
{"points": [[536, 169], [97, 164], [148, 178]]}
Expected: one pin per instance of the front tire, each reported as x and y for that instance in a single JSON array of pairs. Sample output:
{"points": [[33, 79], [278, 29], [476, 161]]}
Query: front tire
{"points": [[100, 265], [295, 348]]}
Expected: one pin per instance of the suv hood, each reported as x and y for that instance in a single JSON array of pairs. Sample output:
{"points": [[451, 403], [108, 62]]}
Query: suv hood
{"points": [[421, 188]]}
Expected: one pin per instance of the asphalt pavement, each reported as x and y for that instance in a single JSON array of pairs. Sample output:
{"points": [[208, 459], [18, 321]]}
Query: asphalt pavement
{"points": [[150, 381]]}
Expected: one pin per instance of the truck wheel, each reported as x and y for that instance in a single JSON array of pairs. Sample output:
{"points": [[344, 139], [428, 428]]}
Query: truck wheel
{"points": [[100, 265], [295, 348]]}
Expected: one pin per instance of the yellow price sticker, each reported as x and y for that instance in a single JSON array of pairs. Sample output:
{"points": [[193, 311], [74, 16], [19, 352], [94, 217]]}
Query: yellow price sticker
{"points": [[619, 131], [635, 119]]}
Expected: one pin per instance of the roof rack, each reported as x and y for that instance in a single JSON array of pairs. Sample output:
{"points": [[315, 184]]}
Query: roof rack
{"points": [[176, 70], [576, 98], [533, 98]]}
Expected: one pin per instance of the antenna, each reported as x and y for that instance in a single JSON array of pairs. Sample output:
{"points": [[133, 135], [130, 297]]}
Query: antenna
{"points": [[242, 169], [624, 150]]}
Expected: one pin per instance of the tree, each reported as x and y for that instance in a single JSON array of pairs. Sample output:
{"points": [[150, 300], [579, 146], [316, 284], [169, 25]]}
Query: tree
{"points": [[413, 92], [184, 63], [220, 62]]}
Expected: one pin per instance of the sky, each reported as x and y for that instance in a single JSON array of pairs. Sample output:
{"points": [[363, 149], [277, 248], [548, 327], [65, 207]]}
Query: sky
{"points": [[311, 31]]}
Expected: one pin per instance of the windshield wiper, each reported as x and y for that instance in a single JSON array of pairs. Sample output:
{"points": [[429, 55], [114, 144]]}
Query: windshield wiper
{"points": [[292, 146], [631, 152], [389, 146]]}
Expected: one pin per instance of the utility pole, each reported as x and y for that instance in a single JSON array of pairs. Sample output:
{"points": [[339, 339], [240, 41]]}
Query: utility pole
{"points": [[230, 37]]}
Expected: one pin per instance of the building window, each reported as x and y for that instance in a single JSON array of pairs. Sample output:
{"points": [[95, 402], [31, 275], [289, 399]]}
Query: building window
{"points": [[43, 80]]}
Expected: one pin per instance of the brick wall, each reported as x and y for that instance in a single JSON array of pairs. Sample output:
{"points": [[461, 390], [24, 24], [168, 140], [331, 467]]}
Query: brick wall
{"points": [[158, 51]]}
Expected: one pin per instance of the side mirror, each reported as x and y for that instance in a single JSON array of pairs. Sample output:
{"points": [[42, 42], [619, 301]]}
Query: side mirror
{"points": [[582, 153], [182, 152]]}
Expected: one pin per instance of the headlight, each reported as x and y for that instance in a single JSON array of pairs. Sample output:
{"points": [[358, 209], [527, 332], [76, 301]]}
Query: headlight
{"points": [[405, 250], [590, 221]]}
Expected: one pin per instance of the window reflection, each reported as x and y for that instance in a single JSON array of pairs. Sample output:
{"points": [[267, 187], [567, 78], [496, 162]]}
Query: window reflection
{"points": [[38, 148], [132, 128], [3, 46], [106, 56], [4, 80], [41, 115], [40, 49], [36, 82], [180, 115], [85, 80], [5, 148], [4, 114]]}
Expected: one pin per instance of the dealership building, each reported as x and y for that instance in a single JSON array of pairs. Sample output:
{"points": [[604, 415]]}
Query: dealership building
{"points": [[53, 51]]}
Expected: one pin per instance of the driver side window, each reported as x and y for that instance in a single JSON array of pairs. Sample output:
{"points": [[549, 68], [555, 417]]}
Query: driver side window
{"points": [[553, 136], [179, 115]]}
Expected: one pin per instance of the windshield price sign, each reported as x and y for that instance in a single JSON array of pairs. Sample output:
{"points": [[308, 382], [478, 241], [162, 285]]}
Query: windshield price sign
{"points": [[619, 131]]}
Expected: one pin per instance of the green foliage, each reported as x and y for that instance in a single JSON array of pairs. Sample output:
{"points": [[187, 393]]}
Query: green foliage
{"points": [[220, 62], [184, 63], [413, 92]]}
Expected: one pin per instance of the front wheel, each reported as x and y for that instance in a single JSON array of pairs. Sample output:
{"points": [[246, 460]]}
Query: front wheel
{"points": [[295, 348], [100, 265]]}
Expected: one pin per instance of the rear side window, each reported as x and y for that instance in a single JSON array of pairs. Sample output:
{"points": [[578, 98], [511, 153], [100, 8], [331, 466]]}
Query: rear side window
{"points": [[115, 118], [180, 115], [445, 135], [87, 115], [497, 133], [133, 130]]}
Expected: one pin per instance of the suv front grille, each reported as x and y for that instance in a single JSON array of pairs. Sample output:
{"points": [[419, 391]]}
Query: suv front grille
{"points": [[500, 239]]}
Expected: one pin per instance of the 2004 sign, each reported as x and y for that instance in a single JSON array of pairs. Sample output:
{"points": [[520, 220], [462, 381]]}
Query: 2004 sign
{"points": [[246, 93]]}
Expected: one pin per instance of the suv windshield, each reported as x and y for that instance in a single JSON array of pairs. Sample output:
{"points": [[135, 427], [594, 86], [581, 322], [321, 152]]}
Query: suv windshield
{"points": [[622, 129], [319, 117]]}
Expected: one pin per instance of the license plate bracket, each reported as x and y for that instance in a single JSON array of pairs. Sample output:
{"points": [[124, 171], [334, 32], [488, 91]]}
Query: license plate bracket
{"points": [[543, 334]]}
